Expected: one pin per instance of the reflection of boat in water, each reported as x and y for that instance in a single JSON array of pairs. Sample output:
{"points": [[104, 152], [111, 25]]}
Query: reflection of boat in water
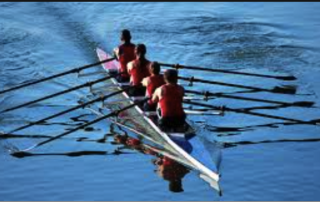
{"points": [[184, 146], [167, 168]]}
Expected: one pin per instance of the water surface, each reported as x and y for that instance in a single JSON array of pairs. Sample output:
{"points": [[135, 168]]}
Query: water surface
{"points": [[40, 39]]}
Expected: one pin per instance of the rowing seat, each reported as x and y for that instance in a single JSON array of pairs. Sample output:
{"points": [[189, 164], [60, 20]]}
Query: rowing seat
{"points": [[137, 98], [150, 113], [124, 84]]}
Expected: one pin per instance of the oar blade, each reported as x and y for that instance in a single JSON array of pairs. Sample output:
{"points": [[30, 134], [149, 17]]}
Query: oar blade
{"points": [[285, 90], [21, 154], [286, 78], [303, 104]]}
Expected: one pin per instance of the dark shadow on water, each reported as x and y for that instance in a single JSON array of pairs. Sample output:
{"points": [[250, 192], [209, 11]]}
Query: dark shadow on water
{"points": [[231, 131], [167, 168], [22, 154], [79, 139], [240, 143], [8, 136], [78, 118]]}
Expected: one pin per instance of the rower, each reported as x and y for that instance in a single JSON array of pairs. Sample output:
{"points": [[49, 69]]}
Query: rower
{"points": [[152, 83], [138, 69], [169, 98], [125, 53]]}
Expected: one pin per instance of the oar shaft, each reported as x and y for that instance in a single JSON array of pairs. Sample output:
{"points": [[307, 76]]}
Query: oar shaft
{"points": [[56, 94], [114, 113], [207, 93], [55, 76], [247, 112], [287, 78], [224, 84]]}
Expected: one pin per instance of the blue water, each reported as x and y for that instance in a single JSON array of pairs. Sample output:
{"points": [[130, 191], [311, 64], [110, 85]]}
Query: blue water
{"points": [[39, 39]]}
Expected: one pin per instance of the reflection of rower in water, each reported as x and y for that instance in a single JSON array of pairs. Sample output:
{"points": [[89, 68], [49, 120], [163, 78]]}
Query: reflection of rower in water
{"points": [[171, 171], [129, 141], [169, 98], [167, 168]]}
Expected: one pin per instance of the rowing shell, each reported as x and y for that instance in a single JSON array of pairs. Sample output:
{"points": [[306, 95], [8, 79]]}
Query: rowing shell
{"points": [[185, 147]]}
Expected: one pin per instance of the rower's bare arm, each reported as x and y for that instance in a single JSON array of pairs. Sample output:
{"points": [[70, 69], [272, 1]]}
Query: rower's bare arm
{"points": [[156, 95], [145, 82], [116, 52], [129, 67]]}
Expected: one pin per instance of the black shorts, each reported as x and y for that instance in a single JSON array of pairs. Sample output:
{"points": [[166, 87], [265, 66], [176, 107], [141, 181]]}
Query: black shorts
{"points": [[137, 91], [122, 79], [149, 107], [167, 123], [172, 122]]}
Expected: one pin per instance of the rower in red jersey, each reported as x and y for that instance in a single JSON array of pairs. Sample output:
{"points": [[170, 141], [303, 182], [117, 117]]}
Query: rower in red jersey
{"points": [[169, 98], [152, 83], [125, 53], [138, 69]]}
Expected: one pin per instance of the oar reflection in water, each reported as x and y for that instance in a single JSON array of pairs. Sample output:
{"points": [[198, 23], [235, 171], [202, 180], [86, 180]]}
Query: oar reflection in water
{"points": [[23, 154], [230, 131], [240, 143]]}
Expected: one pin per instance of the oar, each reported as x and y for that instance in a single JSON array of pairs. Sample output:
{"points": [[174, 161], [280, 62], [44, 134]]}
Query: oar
{"points": [[102, 98], [75, 70], [113, 113], [274, 90], [199, 112], [252, 113], [189, 112], [58, 93], [177, 66], [208, 93]]}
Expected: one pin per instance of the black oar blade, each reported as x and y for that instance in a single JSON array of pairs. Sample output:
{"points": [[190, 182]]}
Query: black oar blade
{"points": [[82, 153], [21, 154], [315, 121], [285, 90], [286, 78], [303, 104]]}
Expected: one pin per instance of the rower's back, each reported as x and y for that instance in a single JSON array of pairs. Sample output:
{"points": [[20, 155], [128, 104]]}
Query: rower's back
{"points": [[138, 69], [125, 53], [170, 101], [152, 82], [170, 97]]}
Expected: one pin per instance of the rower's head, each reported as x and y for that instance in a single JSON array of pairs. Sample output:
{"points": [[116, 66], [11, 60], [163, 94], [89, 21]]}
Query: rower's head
{"points": [[125, 35], [171, 76], [140, 50], [155, 68]]}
